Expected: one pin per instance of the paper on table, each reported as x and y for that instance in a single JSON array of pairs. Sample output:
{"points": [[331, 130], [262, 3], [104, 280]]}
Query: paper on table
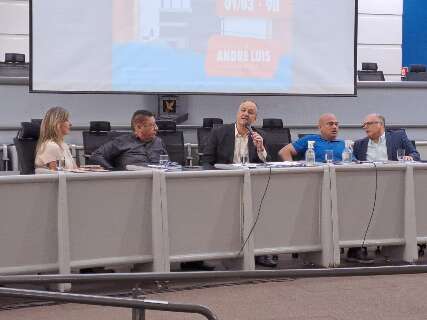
{"points": [[230, 166]]}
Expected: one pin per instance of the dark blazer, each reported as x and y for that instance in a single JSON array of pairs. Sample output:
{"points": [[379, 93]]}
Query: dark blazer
{"points": [[220, 146], [395, 139]]}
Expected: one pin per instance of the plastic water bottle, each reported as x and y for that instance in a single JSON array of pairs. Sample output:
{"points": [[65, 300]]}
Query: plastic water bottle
{"points": [[348, 152], [310, 156]]}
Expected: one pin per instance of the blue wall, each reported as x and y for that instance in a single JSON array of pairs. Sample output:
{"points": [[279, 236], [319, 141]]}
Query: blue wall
{"points": [[414, 46]]}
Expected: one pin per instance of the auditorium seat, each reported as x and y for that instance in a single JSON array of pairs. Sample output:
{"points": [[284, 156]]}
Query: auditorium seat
{"points": [[370, 72], [302, 135], [204, 132], [25, 143], [173, 140], [212, 122], [276, 135], [98, 134], [417, 72]]}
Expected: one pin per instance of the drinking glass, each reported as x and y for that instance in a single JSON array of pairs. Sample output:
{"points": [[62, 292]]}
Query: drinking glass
{"points": [[400, 154], [60, 164], [329, 156], [244, 159], [164, 159]]}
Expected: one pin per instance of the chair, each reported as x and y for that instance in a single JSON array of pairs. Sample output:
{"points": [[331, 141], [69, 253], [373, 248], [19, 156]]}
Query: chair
{"points": [[37, 122], [370, 72], [25, 143], [173, 140], [417, 72], [302, 135], [99, 126], [204, 132], [92, 141], [98, 134], [212, 122], [14, 57], [276, 135]]}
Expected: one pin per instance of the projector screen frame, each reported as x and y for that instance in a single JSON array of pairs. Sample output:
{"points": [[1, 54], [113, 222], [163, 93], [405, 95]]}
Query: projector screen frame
{"points": [[172, 93]]}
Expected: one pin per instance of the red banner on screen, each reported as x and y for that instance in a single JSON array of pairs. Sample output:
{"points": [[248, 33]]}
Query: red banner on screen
{"points": [[242, 57]]}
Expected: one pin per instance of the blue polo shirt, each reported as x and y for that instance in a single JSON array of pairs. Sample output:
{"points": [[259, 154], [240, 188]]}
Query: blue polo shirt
{"points": [[320, 146]]}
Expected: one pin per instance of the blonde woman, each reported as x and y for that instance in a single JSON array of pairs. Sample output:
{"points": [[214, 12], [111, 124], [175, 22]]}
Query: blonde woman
{"points": [[51, 146]]}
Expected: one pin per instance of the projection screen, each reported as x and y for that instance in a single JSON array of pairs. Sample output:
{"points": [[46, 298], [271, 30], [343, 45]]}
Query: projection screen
{"points": [[194, 46]]}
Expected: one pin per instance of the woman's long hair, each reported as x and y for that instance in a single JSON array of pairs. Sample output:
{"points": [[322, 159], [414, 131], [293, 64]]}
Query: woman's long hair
{"points": [[50, 127]]}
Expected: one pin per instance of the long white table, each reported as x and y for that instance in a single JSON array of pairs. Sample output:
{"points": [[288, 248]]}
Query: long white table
{"points": [[66, 221]]}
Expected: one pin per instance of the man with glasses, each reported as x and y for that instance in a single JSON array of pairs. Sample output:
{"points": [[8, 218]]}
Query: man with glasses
{"points": [[325, 141], [140, 147], [379, 145], [382, 145]]}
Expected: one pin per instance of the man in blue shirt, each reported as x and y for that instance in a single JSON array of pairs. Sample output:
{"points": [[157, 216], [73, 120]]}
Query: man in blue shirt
{"points": [[326, 140]]}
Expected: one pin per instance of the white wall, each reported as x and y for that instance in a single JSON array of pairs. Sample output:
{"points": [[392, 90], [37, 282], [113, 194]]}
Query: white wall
{"points": [[400, 103], [14, 27], [379, 36]]}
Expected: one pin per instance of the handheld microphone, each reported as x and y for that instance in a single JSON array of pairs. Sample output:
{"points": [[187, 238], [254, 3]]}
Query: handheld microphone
{"points": [[251, 131], [248, 126]]}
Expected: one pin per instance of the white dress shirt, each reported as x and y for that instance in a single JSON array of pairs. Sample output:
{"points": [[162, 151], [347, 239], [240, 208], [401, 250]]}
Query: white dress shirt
{"points": [[377, 151], [241, 147]]}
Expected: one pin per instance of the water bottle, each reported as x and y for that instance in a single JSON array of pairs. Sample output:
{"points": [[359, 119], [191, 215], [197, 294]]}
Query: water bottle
{"points": [[348, 152], [310, 156]]}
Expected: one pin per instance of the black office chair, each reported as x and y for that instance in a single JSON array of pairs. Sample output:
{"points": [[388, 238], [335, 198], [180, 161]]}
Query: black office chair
{"points": [[212, 122], [276, 136], [417, 72], [99, 126], [37, 122], [25, 143], [173, 140], [204, 132], [302, 135], [370, 72], [98, 134]]}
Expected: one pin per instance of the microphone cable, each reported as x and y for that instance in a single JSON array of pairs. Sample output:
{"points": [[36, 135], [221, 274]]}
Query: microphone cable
{"points": [[373, 207], [259, 212]]}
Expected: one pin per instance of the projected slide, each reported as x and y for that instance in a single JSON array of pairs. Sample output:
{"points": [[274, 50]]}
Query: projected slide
{"points": [[218, 45], [195, 46]]}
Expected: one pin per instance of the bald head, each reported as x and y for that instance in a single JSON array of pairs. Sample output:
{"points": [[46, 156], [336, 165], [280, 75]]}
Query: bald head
{"points": [[328, 126], [246, 114]]}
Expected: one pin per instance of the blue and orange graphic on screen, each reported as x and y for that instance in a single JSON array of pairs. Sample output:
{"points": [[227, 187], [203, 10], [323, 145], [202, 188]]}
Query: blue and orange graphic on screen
{"points": [[202, 45]]}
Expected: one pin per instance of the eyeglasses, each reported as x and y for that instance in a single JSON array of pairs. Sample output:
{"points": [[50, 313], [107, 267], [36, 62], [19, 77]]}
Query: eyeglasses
{"points": [[369, 123]]}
